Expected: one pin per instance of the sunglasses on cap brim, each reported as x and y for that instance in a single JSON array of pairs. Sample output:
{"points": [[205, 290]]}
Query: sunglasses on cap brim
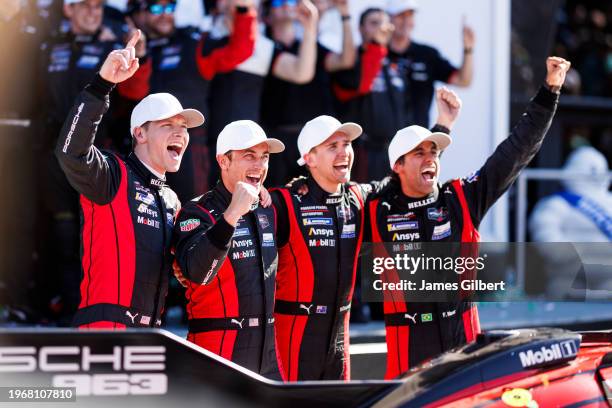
{"points": [[157, 9], [280, 3]]}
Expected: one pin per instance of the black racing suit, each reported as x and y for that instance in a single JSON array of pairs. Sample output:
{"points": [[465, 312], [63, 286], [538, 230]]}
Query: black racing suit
{"points": [[319, 237], [451, 213], [184, 65], [232, 272], [69, 63], [127, 217]]}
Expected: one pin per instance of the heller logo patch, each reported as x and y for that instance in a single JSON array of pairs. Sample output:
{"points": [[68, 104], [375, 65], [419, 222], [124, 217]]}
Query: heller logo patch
{"points": [[427, 317], [407, 236], [189, 225], [558, 351], [253, 322], [421, 203], [400, 226], [318, 221], [441, 231]]}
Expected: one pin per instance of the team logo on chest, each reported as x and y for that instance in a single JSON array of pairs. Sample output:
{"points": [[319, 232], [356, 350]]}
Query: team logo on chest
{"points": [[437, 214]]}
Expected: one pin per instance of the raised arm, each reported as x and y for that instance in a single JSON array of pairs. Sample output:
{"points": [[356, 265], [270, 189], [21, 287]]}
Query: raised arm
{"points": [[88, 170]]}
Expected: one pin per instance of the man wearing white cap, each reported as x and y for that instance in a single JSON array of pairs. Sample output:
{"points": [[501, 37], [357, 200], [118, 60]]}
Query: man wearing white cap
{"points": [[225, 246], [422, 65], [422, 210], [318, 236], [127, 211]]}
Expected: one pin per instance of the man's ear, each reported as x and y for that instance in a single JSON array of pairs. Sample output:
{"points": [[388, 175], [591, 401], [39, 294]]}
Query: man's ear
{"points": [[396, 167], [311, 160], [223, 161], [140, 135]]}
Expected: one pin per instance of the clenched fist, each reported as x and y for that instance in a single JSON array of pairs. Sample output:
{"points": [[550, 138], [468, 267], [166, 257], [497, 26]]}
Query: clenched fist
{"points": [[556, 69], [449, 106], [121, 64], [243, 198]]}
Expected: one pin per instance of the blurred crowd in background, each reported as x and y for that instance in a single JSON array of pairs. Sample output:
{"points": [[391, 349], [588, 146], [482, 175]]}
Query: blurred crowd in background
{"points": [[383, 80]]}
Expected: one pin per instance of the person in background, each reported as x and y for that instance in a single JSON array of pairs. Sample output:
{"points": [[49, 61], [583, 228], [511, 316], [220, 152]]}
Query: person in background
{"points": [[299, 89], [580, 212], [372, 93], [184, 62], [421, 65]]}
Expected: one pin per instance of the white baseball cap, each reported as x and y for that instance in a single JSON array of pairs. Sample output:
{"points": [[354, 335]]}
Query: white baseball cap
{"points": [[399, 6], [242, 134], [410, 137], [72, 1], [160, 106], [319, 129]]}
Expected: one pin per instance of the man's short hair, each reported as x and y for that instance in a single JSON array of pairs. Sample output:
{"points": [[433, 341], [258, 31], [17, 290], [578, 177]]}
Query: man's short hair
{"points": [[367, 12]]}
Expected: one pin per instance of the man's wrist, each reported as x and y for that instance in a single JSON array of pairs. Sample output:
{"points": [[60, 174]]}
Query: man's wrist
{"points": [[231, 217], [442, 126], [468, 50], [553, 88], [345, 18]]}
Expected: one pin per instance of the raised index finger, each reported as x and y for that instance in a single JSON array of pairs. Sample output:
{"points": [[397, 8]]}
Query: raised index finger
{"points": [[133, 39]]}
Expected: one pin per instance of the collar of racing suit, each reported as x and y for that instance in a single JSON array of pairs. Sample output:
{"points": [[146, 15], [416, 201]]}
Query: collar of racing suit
{"points": [[322, 196], [141, 170], [83, 38], [401, 200]]}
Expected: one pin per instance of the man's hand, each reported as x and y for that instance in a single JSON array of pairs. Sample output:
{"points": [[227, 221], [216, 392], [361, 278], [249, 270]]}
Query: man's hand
{"points": [[178, 274], [556, 69], [342, 6], [469, 39], [265, 199], [121, 64], [308, 15], [449, 106], [243, 198]]}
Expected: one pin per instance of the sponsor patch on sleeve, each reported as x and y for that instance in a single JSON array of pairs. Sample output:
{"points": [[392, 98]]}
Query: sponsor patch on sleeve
{"points": [[189, 225]]}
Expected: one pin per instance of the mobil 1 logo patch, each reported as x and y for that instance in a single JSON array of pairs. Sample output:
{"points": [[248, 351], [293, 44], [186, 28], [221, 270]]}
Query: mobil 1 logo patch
{"points": [[549, 353]]}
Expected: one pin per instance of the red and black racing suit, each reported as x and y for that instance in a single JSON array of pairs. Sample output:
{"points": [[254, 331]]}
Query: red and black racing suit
{"points": [[319, 237], [127, 217], [452, 213], [232, 272]]}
